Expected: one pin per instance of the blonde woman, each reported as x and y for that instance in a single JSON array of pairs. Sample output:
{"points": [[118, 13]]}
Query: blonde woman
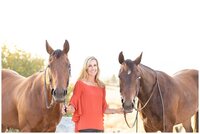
{"points": [[88, 103]]}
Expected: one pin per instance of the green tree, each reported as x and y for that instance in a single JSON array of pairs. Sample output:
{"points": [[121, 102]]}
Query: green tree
{"points": [[21, 61]]}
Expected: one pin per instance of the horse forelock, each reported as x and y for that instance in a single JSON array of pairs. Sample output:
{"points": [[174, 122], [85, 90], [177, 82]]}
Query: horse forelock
{"points": [[129, 63], [57, 53]]}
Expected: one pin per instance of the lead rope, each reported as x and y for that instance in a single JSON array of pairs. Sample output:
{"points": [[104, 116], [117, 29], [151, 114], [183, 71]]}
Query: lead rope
{"points": [[136, 129], [45, 91], [163, 109], [139, 109], [65, 107], [136, 118]]}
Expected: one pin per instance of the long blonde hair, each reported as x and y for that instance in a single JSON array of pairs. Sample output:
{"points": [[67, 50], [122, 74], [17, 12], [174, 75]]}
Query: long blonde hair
{"points": [[84, 73]]}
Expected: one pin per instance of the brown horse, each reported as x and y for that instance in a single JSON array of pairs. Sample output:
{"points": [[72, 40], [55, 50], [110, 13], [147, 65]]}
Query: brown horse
{"points": [[33, 104], [163, 101]]}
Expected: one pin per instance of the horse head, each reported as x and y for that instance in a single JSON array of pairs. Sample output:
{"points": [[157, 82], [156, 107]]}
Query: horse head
{"points": [[58, 71], [129, 77]]}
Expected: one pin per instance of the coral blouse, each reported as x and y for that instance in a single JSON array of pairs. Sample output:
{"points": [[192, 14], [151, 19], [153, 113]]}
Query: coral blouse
{"points": [[89, 103]]}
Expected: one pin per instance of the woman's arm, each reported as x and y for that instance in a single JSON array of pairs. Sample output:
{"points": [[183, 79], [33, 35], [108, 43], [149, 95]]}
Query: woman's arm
{"points": [[114, 111]]}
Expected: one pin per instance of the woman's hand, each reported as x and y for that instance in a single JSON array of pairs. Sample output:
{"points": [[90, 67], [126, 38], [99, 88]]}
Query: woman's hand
{"points": [[120, 110], [67, 109], [64, 109], [70, 109], [114, 111]]}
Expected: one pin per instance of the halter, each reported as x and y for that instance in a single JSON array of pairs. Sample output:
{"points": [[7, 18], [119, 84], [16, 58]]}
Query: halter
{"points": [[48, 106], [136, 117], [139, 109]]}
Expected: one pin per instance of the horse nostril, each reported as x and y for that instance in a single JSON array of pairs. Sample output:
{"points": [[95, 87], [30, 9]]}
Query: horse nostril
{"points": [[65, 92], [122, 100], [53, 92], [123, 105]]}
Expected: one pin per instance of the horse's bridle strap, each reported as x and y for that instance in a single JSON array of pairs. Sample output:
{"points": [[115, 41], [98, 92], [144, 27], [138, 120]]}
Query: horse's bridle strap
{"points": [[48, 106], [139, 109]]}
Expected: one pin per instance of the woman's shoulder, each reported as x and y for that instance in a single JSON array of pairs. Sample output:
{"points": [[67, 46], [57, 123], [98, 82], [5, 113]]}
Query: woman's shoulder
{"points": [[79, 82], [101, 84]]}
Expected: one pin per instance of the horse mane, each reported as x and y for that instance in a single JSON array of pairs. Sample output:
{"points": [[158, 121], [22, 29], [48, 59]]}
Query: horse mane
{"points": [[158, 71]]}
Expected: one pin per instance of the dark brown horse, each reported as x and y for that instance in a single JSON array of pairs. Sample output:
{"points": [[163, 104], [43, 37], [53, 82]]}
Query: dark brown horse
{"points": [[164, 101], [33, 104]]}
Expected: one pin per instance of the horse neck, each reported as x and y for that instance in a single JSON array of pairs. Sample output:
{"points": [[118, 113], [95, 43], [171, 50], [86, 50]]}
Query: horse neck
{"points": [[147, 83]]}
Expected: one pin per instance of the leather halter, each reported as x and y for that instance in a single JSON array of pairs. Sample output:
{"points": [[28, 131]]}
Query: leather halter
{"points": [[136, 117], [48, 106], [139, 109]]}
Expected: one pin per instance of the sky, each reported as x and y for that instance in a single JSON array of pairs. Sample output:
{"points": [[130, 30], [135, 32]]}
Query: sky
{"points": [[167, 32]]}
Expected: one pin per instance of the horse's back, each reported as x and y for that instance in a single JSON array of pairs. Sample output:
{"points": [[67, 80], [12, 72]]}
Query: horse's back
{"points": [[10, 83], [10, 76], [188, 77]]}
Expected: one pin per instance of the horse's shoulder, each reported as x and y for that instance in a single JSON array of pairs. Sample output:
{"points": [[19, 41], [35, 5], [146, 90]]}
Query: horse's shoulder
{"points": [[34, 81]]}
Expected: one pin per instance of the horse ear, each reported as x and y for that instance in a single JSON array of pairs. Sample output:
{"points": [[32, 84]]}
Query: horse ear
{"points": [[48, 48], [121, 57], [66, 47], [138, 59]]}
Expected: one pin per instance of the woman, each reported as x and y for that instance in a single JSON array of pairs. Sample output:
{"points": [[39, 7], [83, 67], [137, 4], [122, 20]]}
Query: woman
{"points": [[88, 103]]}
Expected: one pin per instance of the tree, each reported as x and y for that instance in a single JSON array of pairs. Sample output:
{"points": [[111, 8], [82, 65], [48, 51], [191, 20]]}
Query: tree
{"points": [[21, 61]]}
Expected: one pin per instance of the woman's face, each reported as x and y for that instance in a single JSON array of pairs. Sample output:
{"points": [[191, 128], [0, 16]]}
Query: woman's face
{"points": [[92, 68]]}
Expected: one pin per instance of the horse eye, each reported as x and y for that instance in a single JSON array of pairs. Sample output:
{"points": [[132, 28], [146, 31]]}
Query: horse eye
{"points": [[69, 66]]}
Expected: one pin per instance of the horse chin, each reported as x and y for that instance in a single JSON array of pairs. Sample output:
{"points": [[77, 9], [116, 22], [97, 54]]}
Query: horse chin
{"points": [[128, 110], [59, 100]]}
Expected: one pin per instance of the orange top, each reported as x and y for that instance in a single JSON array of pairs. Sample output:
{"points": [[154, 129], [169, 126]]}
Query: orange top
{"points": [[89, 103]]}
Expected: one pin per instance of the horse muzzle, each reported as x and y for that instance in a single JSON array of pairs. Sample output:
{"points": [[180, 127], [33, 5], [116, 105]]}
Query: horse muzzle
{"points": [[128, 107], [59, 95]]}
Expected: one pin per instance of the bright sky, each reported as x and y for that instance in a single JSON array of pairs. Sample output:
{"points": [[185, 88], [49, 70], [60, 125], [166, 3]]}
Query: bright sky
{"points": [[167, 32]]}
